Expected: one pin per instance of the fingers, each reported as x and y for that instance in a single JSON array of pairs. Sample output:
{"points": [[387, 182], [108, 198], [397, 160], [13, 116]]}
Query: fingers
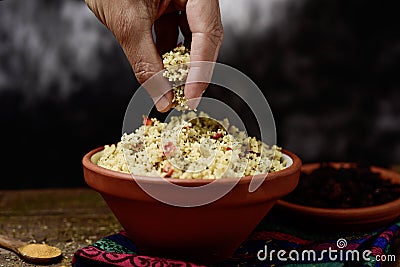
{"points": [[131, 23], [146, 62], [204, 20]]}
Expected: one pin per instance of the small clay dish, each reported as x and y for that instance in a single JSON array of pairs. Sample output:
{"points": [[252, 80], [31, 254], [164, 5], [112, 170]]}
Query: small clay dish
{"points": [[343, 219], [203, 234]]}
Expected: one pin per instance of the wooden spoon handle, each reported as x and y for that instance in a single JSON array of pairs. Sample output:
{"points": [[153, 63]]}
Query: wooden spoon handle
{"points": [[11, 244]]}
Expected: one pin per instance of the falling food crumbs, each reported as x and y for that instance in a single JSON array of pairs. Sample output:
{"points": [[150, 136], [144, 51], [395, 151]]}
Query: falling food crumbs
{"points": [[176, 64], [40, 251]]}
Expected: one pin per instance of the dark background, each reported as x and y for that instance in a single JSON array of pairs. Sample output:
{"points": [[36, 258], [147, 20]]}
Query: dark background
{"points": [[329, 69]]}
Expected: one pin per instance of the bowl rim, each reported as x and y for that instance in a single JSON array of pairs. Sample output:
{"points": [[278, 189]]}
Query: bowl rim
{"points": [[87, 163], [346, 212]]}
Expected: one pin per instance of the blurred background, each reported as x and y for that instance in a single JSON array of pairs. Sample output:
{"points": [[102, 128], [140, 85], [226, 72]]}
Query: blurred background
{"points": [[329, 70]]}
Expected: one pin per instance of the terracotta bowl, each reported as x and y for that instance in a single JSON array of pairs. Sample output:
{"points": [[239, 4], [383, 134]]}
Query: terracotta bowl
{"points": [[203, 234], [345, 219]]}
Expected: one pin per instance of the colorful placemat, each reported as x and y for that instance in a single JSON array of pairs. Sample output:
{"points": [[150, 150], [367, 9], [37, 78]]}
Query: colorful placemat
{"points": [[298, 248]]}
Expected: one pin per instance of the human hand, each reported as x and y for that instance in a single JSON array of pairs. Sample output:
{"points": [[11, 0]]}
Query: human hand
{"points": [[131, 23]]}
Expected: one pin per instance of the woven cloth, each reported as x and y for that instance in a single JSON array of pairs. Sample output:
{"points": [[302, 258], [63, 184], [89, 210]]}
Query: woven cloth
{"points": [[118, 250]]}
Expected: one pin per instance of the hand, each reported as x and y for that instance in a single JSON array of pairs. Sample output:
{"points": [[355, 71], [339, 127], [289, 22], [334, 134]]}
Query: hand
{"points": [[131, 23]]}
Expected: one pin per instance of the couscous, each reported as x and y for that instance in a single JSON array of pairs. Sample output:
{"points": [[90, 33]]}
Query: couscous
{"points": [[176, 64], [191, 146]]}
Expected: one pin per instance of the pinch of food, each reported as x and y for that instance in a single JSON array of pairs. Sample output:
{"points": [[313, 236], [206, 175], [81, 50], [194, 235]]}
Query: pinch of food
{"points": [[179, 100], [179, 55], [176, 70]]}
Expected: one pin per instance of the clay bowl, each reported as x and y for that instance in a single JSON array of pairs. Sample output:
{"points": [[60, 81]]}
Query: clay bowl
{"points": [[203, 234], [344, 219]]}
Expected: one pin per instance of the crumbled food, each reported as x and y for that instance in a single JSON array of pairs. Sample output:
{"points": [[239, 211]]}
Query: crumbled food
{"points": [[41, 251], [353, 187], [191, 146], [176, 64]]}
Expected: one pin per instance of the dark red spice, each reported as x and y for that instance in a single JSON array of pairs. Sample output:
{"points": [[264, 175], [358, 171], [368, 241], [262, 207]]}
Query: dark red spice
{"points": [[228, 148], [328, 187], [217, 135]]}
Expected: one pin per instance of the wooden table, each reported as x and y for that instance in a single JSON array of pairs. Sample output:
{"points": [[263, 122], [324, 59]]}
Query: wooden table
{"points": [[66, 218]]}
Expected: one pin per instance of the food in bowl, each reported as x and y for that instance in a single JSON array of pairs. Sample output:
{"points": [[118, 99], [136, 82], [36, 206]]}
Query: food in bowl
{"points": [[353, 186], [191, 146], [342, 219], [196, 150], [202, 234]]}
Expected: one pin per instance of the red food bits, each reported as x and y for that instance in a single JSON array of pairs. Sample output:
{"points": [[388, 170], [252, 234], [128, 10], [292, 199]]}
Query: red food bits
{"points": [[169, 149], [228, 148], [217, 135], [147, 121], [168, 170]]}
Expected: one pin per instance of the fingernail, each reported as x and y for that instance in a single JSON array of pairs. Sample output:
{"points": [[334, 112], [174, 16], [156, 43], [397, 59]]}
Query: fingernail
{"points": [[163, 103], [193, 103]]}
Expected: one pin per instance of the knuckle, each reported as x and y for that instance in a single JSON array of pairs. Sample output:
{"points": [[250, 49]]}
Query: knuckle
{"points": [[219, 33], [143, 71], [216, 33], [216, 37]]}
